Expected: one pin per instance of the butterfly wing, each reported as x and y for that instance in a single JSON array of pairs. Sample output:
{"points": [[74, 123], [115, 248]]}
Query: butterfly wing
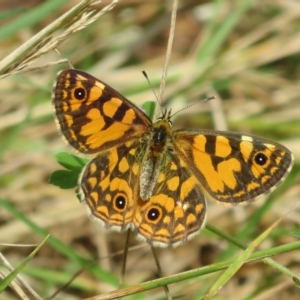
{"points": [[231, 167], [92, 116], [176, 210], [109, 185]]}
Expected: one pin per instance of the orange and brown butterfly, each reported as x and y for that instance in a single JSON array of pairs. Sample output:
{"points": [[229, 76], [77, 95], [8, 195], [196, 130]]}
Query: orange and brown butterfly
{"points": [[149, 178]]}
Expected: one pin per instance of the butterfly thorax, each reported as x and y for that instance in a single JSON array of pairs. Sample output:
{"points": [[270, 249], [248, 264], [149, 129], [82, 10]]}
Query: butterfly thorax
{"points": [[158, 151]]}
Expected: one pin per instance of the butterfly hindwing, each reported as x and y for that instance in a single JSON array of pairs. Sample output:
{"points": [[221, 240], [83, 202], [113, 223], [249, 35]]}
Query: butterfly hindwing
{"points": [[175, 212], [109, 185]]}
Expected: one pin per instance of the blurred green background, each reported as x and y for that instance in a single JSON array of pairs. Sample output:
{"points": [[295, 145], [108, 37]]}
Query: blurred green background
{"points": [[246, 53]]}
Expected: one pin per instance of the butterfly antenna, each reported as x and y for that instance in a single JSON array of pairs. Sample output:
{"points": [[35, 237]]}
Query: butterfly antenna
{"points": [[151, 86], [201, 101]]}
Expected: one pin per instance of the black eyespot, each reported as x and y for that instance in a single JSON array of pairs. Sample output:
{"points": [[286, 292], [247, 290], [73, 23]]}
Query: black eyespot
{"points": [[260, 159], [79, 93], [153, 214], [120, 202]]}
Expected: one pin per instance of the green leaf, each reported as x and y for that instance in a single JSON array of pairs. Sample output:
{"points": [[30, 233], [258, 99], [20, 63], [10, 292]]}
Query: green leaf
{"points": [[67, 179], [64, 179], [149, 107], [70, 161]]}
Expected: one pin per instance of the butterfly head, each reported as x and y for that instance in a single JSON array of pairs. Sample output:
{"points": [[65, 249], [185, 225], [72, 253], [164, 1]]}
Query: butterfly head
{"points": [[166, 117]]}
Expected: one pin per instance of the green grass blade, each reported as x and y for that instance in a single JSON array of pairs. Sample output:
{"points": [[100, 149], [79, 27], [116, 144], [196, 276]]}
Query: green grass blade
{"points": [[30, 18], [218, 33], [9, 278], [61, 247], [225, 277]]}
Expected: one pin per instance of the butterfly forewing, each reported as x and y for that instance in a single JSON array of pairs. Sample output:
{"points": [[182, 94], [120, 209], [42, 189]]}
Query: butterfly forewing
{"points": [[231, 167], [93, 116]]}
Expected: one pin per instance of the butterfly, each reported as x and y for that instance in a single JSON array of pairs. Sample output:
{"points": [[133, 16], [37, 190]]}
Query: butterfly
{"points": [[148, 178]]}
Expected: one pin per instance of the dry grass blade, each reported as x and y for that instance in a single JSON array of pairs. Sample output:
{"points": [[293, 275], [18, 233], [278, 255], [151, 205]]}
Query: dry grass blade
{"points": [[77, 18], [21, 280], [168, 52]]}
